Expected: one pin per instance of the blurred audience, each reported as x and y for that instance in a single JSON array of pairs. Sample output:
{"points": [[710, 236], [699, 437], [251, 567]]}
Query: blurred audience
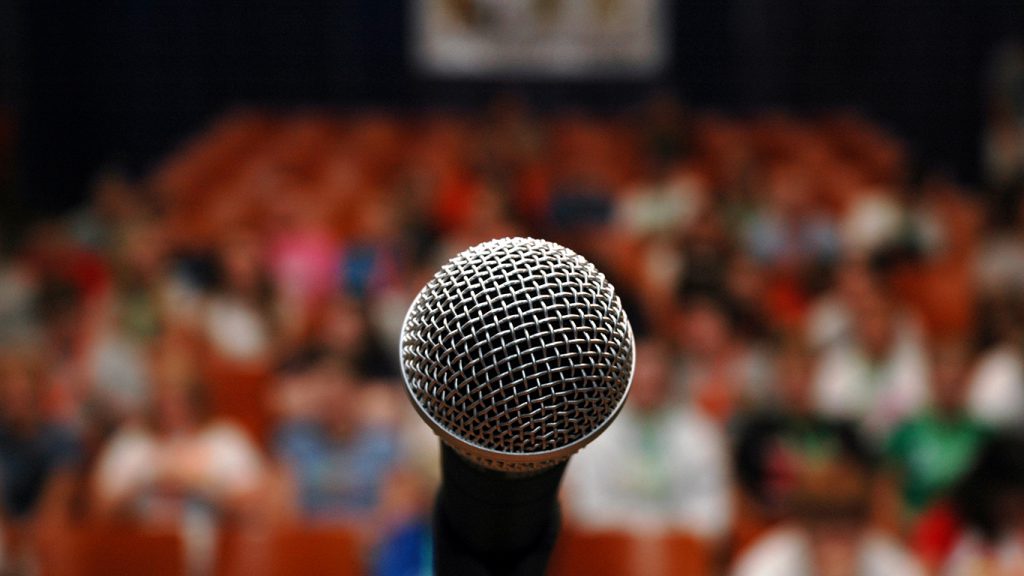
{"points": [[212, 346]]}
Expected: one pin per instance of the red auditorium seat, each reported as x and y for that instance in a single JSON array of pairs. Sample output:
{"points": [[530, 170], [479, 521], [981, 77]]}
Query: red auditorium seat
{"points": [[309, 551], [239, 392], [102, 550], [623, 554]]}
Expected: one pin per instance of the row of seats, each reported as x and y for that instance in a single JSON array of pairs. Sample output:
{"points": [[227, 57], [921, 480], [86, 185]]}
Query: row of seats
{"points": [[323, 551], [619, 553], [131, 551]]}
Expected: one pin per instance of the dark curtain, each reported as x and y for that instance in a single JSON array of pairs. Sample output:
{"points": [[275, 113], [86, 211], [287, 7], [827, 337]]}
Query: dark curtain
{"points": [[119, 82]]}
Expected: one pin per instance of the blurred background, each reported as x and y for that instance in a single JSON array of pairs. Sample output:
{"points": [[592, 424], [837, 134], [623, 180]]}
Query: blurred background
{"points": [[213, 216]]}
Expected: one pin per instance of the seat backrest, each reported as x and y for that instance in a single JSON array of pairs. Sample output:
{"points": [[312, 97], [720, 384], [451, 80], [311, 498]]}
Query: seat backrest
{"points": [[126, 551], [285, 551], [239, 393], [625, 554], [316, 552]]}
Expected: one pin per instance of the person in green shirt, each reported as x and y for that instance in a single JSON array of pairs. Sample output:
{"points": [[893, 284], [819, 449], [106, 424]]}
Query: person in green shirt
{"points": [[930, 452]]}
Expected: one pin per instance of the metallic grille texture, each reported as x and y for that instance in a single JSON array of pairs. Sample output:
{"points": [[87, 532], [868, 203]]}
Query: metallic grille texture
{"points": [[517, 353]]}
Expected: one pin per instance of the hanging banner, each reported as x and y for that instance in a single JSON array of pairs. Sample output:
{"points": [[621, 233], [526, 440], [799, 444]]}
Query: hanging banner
{"points": [[547, 38]]}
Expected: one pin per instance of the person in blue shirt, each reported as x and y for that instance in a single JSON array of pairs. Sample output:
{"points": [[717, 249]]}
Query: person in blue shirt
{"points": [[336, 457]]}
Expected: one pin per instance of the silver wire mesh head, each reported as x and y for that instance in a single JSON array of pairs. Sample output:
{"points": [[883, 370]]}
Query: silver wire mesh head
{"points": [[517, 353]]}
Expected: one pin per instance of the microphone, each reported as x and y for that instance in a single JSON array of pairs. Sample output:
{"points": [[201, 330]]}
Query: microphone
{"points": [[517, 353]]}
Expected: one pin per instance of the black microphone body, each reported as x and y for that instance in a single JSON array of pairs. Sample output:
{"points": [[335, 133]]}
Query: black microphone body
{"points": [[517, 353], [488, 523]]}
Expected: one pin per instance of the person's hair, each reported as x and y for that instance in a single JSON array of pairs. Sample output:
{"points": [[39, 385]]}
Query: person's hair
{"points": [[303, 361], [56, 299], [716, 300], [1001, 317], [216, 278]]}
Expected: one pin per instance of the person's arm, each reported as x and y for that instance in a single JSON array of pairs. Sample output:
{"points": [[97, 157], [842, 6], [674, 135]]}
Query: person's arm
{"points": [[232, 472], [121, 474]]}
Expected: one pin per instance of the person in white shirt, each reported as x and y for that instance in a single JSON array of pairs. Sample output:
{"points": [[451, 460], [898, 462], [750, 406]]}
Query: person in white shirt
{"points": [[995, 394], [661, 466], [878, 376], [235, 318], [183, 470], [181, 461]]}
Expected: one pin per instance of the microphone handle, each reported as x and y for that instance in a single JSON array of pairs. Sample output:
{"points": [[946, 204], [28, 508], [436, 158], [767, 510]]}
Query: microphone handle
{"points": [[489, 523]]}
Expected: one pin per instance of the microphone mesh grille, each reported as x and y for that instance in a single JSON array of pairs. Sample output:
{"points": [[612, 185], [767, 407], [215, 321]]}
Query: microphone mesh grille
{"points": [[518, 353]]}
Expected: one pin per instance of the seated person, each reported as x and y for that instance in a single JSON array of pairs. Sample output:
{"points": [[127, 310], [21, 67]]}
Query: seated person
{"points": [[32, 452], [719, 369], [179, 461], [775, 446], [337, 454], [878, 375], [929, 453], [660, 466], [995, 395], [823, 497], [38, 461]]}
